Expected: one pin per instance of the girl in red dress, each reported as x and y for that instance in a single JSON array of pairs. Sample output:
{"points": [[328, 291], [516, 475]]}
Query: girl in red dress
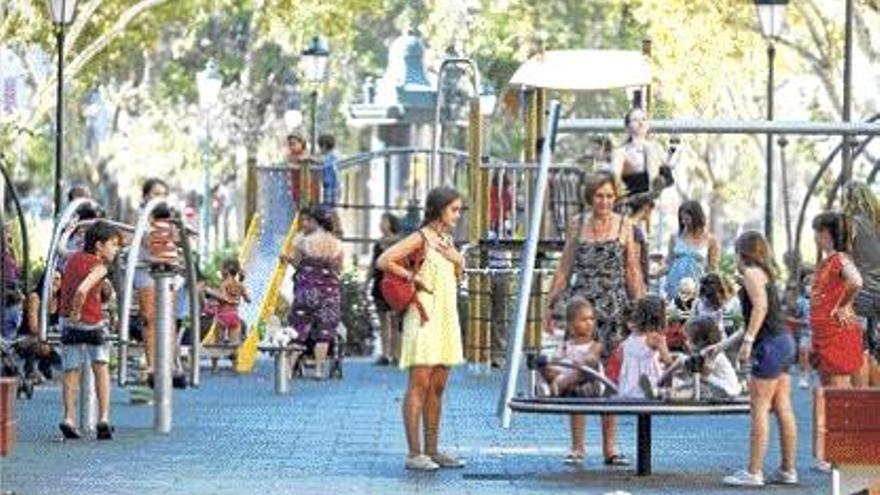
{"points": [[837, 335]]}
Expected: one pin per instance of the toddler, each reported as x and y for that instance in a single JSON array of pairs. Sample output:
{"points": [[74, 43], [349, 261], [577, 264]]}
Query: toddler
{"points": [[644, 352], [579, 348]]}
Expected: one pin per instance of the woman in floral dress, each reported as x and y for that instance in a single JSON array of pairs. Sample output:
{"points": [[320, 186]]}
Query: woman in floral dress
{"points": [[600, 262], [317, 258]]}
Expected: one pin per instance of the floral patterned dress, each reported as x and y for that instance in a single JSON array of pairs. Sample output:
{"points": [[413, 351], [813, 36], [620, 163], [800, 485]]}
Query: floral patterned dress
{"points": [[315, 311], [599, 276]]}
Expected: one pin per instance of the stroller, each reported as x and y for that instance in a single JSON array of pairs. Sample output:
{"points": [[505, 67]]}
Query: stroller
{"points": [[335, 354]]}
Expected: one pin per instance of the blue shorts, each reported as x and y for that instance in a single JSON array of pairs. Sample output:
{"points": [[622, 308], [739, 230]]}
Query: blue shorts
{"points": [[13, 316], [773, 356], [143, 279]]}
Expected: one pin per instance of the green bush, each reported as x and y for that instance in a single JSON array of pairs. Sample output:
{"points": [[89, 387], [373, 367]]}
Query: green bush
{"points": [[356, 314], [211, 269]]}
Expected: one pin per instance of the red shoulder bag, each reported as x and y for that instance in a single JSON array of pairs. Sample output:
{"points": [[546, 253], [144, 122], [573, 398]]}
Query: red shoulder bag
{"points": [[401, 292]]}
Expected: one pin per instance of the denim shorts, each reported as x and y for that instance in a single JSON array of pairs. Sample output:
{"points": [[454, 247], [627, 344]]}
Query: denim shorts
{"points": [[73, 356], [13, 316], [773, 356], [143, 279]]}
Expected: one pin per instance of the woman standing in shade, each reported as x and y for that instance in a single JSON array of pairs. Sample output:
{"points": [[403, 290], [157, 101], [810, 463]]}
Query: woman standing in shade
{"points": [[431, 332], [837, 336], [317, 258], [602, 261], [144, 286], [389, 320], [770, 350], [640, 163], [693, 252]]}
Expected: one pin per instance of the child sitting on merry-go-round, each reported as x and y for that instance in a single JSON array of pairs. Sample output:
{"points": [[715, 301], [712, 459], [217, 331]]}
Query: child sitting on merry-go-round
{"points": [[704, 373], [574, 368]]}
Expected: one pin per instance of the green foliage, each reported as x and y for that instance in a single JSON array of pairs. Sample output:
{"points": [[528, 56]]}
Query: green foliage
{"points": [[356, 314], [727, 265], [211, 269]]}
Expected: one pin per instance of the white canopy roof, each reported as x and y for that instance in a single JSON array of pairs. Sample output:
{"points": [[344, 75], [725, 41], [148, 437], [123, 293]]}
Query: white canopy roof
{"points": [[584, 70]]}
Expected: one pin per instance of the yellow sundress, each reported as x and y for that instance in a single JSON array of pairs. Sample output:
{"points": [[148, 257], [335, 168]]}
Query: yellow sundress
{"points": [[437, 341]]}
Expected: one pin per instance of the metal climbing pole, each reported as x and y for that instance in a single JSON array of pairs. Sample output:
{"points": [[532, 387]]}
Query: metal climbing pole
{"points": [[527, 265], [164, 364]]}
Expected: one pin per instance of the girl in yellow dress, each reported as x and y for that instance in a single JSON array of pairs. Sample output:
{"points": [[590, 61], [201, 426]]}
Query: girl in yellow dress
{"points": [[430, 346]]}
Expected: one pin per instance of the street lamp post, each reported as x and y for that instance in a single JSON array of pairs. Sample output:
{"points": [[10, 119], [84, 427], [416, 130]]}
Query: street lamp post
{"points": [[62, 12], [314, 68], [771, 14], [208, 83]]}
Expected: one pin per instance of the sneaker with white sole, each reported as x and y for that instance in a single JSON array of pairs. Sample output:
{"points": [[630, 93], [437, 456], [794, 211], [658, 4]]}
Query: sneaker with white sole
{"points": [[823, 466], [744, 478], [421, 463], [447, 461], [782, 477]]}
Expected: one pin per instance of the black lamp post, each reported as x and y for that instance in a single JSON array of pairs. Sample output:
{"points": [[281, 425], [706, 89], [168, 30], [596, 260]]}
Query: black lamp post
{"points": [[771, 13], [314, 68], [846, 150], [62, 12]]}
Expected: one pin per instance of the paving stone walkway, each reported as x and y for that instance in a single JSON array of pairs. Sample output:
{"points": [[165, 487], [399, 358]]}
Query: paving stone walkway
{"points": [[234, 436]]}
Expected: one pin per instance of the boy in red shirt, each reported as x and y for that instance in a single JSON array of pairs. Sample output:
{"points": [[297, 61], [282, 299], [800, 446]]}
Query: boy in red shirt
{"points": [[83, 329]]}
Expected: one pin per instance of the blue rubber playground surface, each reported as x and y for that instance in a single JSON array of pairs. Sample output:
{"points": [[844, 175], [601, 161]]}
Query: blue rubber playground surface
{"points": [[234, 436]]}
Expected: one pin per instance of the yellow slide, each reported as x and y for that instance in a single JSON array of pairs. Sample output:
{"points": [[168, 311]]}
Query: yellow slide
{"points": [[246, 355]]}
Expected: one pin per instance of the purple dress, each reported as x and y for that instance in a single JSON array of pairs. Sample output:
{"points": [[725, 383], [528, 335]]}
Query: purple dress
{"points": [[316, 298]]}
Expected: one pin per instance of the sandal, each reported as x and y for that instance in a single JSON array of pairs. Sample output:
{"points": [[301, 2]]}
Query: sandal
{"points": [[617, 460], [105, 431], [574, 458], [69, 431]]}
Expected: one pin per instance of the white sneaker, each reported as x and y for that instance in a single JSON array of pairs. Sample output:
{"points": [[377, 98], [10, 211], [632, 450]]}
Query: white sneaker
{"points": [[804, 382], [447, 461], [781, 477], [421, 463], [744, 478], [823, 466]]}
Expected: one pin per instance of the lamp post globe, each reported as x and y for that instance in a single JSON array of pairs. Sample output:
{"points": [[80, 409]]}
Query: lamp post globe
{"points": [[63, 13], [771, 16], [314, 60], [488, 100], [208, 83]]}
